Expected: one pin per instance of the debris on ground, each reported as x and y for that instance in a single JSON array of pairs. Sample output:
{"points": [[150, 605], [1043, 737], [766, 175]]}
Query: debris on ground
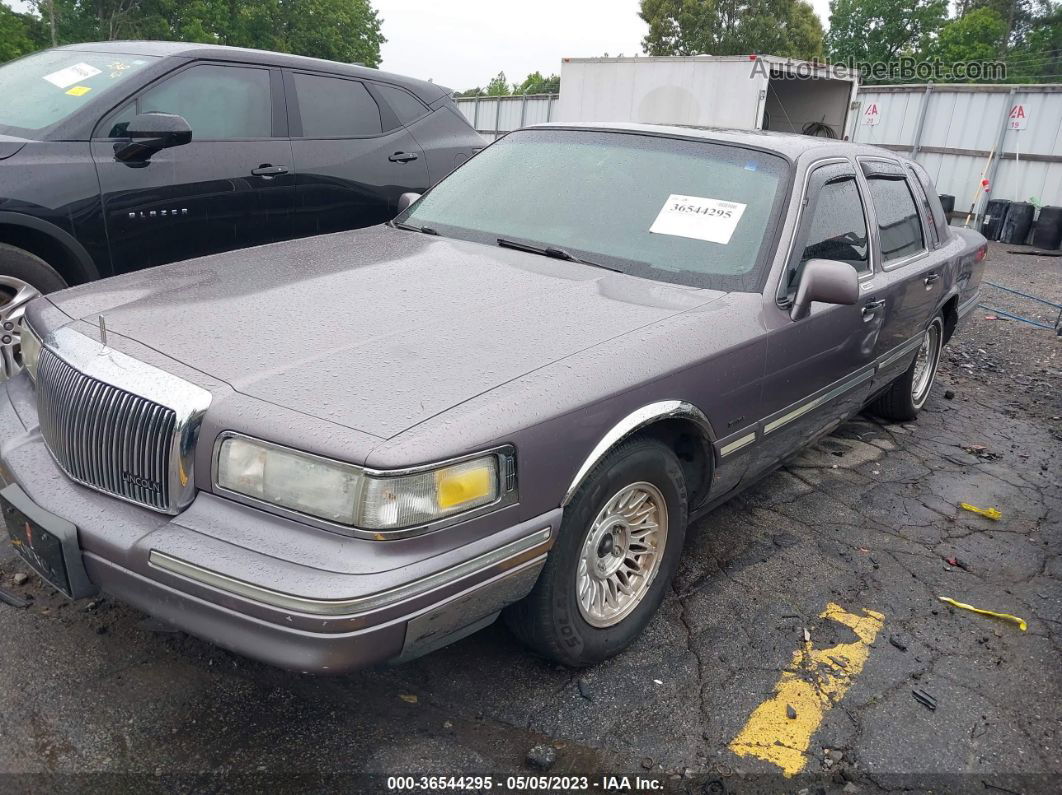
{"points": [[925, 699], [10, 599], [20, 578], [1005, 616], [408, 698], [790, 712], [647, 762], [584, 690], [981, 452], [988, 513], [954, 562], [542, 757], [898, 642]]}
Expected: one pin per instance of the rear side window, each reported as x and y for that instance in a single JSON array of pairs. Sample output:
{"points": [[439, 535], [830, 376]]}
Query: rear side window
{"points": [[331, 107], [219, 102], [899, 228], [406, 106]]}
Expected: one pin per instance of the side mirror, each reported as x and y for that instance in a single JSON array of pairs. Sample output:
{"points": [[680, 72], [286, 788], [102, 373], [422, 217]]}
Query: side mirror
{"points": [[150, 133], [405, 200], [828, 281]]}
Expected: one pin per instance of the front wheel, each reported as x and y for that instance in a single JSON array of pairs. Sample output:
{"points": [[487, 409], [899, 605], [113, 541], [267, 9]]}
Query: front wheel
{"points": [[908, 393], [617, 549], [23, 277]]}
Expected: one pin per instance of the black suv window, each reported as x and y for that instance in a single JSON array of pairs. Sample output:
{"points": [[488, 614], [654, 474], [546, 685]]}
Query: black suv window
{"points": [[406, 106], [219, 102], [899, 227], [331, 107]]}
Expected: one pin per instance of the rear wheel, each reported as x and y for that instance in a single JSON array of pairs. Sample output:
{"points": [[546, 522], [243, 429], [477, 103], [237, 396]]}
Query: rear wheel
{"points": [[909, 392], [616, 552], [23, 277]]}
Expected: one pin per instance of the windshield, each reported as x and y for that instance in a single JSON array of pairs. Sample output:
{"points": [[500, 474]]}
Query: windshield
{"points": [[689, 212], [44, 88]]}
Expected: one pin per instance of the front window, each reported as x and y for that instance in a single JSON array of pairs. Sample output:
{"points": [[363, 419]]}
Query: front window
{"points": [[689, 212], [43, 89]]}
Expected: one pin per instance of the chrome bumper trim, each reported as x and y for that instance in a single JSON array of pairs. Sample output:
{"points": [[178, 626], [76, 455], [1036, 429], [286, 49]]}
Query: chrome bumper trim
{"points": [[355, 605]]}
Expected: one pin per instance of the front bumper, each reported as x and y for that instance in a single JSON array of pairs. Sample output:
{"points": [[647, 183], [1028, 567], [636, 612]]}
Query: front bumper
{"points": [[271, 588]]}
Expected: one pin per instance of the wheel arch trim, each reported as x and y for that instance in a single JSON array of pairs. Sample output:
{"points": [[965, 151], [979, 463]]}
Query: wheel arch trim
{"points": [[63, 238], [637, 420]]}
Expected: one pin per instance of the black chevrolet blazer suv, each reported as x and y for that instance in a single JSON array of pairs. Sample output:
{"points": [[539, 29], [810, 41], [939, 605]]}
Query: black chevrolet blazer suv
{"points": [[123, 155]]}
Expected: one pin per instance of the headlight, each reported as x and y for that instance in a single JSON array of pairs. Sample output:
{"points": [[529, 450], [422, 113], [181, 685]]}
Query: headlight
{"points": [[351, 496], [31, 350]]}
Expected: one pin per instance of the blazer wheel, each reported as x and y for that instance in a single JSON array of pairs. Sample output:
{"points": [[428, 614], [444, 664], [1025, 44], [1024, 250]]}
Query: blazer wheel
{"points": [[615, 555], [23, 277]]}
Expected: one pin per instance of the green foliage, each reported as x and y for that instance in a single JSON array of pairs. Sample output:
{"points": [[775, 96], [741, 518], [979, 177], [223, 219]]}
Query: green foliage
{"points": [[732, 27], [879, 31], [535, 83], [339, 30], [498, 86], [978, 36], [19, 34]]}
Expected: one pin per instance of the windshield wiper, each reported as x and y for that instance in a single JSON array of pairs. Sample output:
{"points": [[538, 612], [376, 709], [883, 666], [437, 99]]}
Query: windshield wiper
{"points": [[427, 230], [553, 252]]}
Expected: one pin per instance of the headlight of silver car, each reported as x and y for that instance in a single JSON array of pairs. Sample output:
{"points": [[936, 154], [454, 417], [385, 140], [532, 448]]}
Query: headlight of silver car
{"points": [[31, 349], [352, 496]]}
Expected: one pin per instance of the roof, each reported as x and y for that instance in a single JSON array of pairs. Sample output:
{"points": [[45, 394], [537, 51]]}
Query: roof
{"points": [[791, 145], [217, 52]]}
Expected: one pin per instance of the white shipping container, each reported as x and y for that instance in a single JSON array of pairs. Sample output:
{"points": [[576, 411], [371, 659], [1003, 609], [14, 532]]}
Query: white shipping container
{"points": [[745, 92]]}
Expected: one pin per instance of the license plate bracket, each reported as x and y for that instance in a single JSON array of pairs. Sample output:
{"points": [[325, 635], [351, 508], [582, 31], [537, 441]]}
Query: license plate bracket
{"points": [[46, 542]]}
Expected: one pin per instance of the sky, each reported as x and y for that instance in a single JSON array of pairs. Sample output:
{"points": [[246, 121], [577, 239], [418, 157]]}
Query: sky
{"points": [[464, 43]]}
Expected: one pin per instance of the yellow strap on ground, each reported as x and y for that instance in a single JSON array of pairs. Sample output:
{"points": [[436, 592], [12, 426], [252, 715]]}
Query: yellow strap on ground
{"points": [[1005, 616], [988, 513], [815, 680]]}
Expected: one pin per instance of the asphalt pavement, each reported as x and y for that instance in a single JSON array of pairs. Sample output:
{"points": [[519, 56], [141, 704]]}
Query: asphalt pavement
{"points": [[804, 645]]}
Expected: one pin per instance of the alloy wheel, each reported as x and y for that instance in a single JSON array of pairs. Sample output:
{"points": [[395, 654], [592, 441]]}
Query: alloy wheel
{"points": [[925, 366], [14, 295], [621, 554]]}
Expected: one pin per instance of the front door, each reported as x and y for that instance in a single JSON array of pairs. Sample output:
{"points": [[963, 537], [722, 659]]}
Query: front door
{"points": [[232, 186], [351, 170], [819, 368]]}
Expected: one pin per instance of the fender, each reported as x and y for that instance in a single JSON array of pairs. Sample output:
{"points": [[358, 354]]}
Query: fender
{"points": [[81, 257], [635, 421]]}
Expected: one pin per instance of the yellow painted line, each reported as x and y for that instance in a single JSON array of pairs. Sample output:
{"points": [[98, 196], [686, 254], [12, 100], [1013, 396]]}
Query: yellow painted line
{"points": [[815, 680]]}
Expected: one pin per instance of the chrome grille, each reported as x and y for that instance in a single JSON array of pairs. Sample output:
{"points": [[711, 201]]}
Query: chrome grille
{"points": [[105, 437]]}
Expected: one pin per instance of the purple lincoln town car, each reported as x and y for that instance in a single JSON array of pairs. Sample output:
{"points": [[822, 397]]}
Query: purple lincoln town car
{"points": [[511, 400]]}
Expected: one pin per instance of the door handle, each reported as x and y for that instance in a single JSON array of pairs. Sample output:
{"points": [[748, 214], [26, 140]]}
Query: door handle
{"points": [[931, 277], [871, 307], [266, 170], [403, 157]]}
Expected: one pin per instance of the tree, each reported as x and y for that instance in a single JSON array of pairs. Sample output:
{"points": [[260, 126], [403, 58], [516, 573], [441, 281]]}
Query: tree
{"points": [[977, 36], [19, 34], [535, 83], [499, 86], [879, 31], [732, 27], [339, 30]]}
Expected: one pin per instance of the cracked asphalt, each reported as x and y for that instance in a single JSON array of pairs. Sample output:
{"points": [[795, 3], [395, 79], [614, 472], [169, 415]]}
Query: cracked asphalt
{"points": [[97, 696]]}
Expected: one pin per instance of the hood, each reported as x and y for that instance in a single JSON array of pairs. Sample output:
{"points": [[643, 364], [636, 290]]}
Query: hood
{"points": [[376, 330], [9, 145]]}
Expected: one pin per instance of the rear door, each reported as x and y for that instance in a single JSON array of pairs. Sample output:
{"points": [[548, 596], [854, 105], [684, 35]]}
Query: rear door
{"points": [[232, 186], [352, 164], [911, 280]]}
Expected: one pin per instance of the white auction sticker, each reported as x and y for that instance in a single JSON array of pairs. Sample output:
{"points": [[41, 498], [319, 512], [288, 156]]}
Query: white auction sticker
{"points": [[698, 218], [72, 74]]}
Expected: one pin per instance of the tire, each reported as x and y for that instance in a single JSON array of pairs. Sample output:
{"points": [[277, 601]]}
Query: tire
{"points": [[908, 393], [551, 619], [23, 276]]}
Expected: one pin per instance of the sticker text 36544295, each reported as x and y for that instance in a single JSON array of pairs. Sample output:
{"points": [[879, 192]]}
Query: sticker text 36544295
{"points": [[698, 218]]}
